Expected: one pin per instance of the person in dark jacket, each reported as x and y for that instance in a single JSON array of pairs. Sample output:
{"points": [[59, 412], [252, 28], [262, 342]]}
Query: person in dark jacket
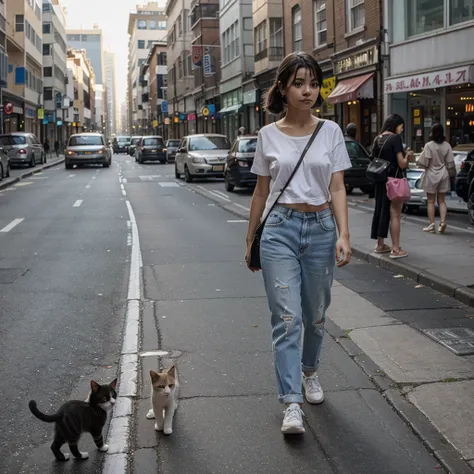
{"points": [[351, 131]]}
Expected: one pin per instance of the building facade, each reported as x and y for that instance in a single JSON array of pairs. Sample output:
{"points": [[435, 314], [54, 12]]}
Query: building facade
{"points": [[180, 80], [25, 65], [237, 87], [91, 41], [430, 75], [54, 71], [3, 59], [82, 112], [111, 93], [145, 26]]}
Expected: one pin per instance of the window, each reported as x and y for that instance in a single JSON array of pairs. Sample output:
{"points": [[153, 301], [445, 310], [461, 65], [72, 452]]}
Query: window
{"points": [[425, 16], [460, 10], [162, 25], [141, 24], [180, 67], [141, 61], [46, 7], [320, 27], [153, 25], [86, 140], [297, 29], [141, 44], [48, 72], [186, 20], [261, 37], [356, 14], [46, 28], [161, 59], [46, 49], [48, 93], [276, 32], [19, 23], [180, 26], [190, 66]]}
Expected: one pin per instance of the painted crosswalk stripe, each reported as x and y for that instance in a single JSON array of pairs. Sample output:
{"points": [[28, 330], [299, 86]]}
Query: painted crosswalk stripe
{"points": [[12, 224], [77, 203]]}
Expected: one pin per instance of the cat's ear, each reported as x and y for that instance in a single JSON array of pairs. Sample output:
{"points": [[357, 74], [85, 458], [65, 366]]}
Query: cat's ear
{"points": [[154, 376], [113, 384], [95, 386], [172, 371]]}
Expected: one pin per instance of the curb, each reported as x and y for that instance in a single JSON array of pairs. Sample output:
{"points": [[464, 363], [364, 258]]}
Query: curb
{"points": [[10, 181]]}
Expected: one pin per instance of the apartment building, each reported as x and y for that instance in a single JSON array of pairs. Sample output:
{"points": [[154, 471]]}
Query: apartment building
{"points": [[179, 97], [3, 57], [91, 41], [237, 86], [430, 74], [111, 93], [25, 65], [206, 61], [155, 73], [82, 87], [54, 71], [146, 25]]}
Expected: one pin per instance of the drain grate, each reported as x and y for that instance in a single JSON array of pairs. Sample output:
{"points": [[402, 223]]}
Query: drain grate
{"points": [[9, 275], [458, 340]]}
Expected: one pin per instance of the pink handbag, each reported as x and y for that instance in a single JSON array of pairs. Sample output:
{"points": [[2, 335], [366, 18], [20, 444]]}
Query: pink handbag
{"points": [[398, 189]]}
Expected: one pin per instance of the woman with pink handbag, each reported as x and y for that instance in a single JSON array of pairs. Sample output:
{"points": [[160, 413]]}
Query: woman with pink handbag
{"points": [[390, 194], [438, 161]]}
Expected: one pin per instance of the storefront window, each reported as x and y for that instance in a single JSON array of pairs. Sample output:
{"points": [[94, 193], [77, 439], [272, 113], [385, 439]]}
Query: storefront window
{"points": [[460, 11], [424, 16]]}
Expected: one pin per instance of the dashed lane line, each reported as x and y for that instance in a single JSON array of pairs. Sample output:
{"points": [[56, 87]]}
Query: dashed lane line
{"points": [[77, 203], [12, 225]]}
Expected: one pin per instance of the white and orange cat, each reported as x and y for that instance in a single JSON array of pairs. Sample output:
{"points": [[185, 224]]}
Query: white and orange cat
{"points": [[164, 399]]}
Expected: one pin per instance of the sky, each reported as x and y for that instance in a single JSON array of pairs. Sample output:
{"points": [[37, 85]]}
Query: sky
{"points": [[112, 17]]}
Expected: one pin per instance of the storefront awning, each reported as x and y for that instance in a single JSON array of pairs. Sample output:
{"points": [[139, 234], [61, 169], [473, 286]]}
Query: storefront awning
{"points": [[230, 109], [360, 87]]}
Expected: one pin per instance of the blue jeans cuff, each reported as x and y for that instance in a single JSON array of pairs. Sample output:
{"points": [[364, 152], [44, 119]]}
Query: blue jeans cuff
{"points": [[307, 368], [292, 398]]}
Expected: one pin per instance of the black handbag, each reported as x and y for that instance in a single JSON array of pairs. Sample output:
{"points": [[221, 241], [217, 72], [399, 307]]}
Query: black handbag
{"points": [[378, 169], [255, 248]]}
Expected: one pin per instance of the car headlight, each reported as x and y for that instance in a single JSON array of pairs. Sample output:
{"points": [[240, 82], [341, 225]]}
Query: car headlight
{"points": [[101, 152], [199, 159], [70, 152]]}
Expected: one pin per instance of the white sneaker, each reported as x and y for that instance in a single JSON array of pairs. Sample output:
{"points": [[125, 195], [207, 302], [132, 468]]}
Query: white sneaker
{"points": [[312, 389], [293, 420]]}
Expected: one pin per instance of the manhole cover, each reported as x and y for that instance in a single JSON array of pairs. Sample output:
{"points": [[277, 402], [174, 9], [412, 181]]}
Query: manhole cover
{"points": [[458, 340], [9, 275]]}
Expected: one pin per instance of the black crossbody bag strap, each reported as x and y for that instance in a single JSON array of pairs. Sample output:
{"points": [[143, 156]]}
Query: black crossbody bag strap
{"points": [[307, 147]]}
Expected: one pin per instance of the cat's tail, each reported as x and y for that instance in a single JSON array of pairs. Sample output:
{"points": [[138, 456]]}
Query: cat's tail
{"points": [[42, 416]]}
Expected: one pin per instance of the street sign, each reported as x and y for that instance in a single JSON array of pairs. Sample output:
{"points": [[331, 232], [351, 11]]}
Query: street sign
{"points": [[205, 111], [40, 114], [8, 108], [164, 107], [207, 65]]}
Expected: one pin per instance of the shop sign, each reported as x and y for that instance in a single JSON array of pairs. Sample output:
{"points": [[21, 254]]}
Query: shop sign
{"points": [[155, 123], [358, 60], [8, 108], [431, 80], [40, 114], [167, 121], [191, 117], [205, 111], [250, 97], [327, 87]]}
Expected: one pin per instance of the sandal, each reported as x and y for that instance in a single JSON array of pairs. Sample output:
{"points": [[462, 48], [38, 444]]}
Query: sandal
{"points": [[442, 227], [385, 249], [398, 254]]}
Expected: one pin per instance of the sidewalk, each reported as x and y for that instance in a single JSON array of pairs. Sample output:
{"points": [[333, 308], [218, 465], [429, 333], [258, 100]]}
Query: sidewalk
{"points": [[26, 172]]}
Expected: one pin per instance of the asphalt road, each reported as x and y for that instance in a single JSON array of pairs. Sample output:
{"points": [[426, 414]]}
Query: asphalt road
{"points": [[203, 307], [63, 275]]}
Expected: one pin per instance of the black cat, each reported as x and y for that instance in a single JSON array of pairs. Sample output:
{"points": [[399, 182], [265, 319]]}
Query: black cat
{"points": [[76, 417]]}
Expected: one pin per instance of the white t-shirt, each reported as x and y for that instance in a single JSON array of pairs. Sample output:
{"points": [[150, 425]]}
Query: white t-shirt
{"points": [[277, 154]]}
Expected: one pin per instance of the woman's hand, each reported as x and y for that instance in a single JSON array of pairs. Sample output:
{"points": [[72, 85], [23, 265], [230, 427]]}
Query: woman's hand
{"points": [[247, 257], [343, 251]]}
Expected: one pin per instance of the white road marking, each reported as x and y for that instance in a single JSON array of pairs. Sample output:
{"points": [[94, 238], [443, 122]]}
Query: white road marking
{"points": [[124, 180], [88, 186], [39, 177], [219, 196], [121, 186], [24, 183], [226, 196], [169, 184], [12, 224], [71, 176], [124, 193], [236, 220], [77, 203], [242, 207], [93, 177]]}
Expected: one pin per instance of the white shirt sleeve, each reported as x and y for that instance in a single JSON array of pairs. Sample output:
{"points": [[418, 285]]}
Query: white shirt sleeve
{"points": [[261, 165], [340, 157]]}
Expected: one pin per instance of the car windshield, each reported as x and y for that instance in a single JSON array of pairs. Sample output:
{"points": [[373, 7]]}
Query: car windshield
{"points": [[174, 143], [85, 140], [209, 143], [13, 140], [123, 139], [355, 150], [248, 146], [154, 141], [135, 140]]}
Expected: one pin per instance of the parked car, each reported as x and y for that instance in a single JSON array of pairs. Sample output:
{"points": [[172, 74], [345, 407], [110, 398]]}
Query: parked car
{"points": [[202, 155], [464, 184], [134, 141], [356, 177], [4, 164], [87, 149], [23, 148], [418, 198], [239, 161], [172, 146], [150, 148], [121, 143]]}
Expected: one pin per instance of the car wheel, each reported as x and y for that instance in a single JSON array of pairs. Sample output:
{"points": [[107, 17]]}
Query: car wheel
{"points": [[8, 169], [106, 165], [68, 166], [470, 207], [176, 174], [349, 189], [1, 172], [366, 189], [228, 185], [187, 175], [32, 163]]}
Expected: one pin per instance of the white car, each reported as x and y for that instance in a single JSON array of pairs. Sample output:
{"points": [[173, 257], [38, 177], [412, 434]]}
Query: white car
{"points": [[202, 155]]}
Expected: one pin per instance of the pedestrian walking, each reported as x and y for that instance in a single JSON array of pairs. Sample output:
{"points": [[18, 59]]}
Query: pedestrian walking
{"points": [[46, 146], [56, 147], [300, 162], [438, 161], [351, 131], [389, 147]]}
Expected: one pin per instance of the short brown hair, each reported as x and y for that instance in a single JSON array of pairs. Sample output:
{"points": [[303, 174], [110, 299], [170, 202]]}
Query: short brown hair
{"points": [[274, 102]]}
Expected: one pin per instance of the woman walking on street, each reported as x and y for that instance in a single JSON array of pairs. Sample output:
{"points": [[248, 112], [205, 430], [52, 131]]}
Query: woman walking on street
{"points": [[299, 245], [438, 161], [389, 147]]}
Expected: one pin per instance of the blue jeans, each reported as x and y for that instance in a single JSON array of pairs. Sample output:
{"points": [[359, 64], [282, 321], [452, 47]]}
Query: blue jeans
{"points": [[298, 257]]}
